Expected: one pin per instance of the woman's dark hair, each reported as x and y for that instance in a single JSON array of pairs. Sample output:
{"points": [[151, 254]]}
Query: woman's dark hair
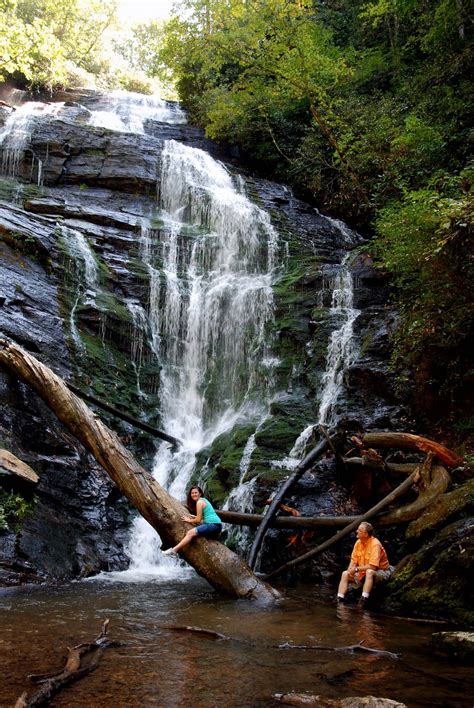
{"points": [[190, 503]]}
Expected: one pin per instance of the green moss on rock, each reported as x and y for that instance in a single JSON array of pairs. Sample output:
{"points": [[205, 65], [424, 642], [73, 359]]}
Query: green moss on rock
{"points": [[435, 581]]}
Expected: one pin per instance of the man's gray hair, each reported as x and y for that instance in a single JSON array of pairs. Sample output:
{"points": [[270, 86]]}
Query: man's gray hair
{"points": [[368, 527]]}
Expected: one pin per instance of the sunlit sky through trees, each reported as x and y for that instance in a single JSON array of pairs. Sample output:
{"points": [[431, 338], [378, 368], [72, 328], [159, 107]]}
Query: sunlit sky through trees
{"points": [[132, 11]]}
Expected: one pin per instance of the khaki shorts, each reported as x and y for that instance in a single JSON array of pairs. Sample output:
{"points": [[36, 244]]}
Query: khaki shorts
{"points": [[381, 576]]}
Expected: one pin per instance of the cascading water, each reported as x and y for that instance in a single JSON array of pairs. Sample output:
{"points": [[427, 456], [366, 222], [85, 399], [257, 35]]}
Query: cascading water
{"points": [[341, 352], [128, 112], [139, 335], [84, 272], [211, 262], [341, 348], [211, 268], [16, 135]]}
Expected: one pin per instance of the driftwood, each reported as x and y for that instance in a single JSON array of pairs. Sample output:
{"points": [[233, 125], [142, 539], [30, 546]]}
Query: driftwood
{"points": [[408, 441], [435, 481], [301, 468], [71, 672], [223, 569], [349, 649], [124, 416], [439, 483], [14, 466], [211, 634], [393, 467], [386, 501], [208, 633]]}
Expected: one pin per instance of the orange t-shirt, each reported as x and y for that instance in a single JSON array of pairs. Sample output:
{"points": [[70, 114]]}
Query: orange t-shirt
{"points": [[370, 553]]}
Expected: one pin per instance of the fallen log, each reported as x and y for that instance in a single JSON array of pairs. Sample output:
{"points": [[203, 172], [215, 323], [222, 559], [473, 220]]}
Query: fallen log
{"points": [[71, 672], [386, 501], [394, 467], [300, 469], [222, 568], [12, 465], [440, 481], [285, 522], [408, 441]]}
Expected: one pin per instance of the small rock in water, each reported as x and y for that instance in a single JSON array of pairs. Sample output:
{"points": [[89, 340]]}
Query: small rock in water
{"points": [[456, 644], [304, 699]]}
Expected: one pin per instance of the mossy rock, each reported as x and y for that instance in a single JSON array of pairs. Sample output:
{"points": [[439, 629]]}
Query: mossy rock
{"points": [[459, 645], [436, 580], [222, 461], [279, 434]]}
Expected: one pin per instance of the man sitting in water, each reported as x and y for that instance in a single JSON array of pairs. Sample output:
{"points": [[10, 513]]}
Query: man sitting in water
{"points": [[369, 564]]}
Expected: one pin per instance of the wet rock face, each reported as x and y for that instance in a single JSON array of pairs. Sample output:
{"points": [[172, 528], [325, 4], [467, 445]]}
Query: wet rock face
{"points": [[74, 289]]}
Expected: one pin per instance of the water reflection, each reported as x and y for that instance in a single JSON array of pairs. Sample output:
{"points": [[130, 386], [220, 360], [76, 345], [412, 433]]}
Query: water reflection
{"points": [[157, 666]]}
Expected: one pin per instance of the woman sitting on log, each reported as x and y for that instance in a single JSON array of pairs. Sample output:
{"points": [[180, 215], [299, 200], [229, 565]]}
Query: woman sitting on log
{"points": [[203, 514]]}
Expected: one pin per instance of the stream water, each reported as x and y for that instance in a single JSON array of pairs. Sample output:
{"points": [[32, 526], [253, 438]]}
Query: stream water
{"points": [[159, 666]]}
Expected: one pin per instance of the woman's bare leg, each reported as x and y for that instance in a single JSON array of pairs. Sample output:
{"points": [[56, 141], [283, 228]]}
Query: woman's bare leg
{"points": [[192, 533]]}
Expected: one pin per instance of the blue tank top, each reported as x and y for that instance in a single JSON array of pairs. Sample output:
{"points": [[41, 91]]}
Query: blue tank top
{"points": [[209, 516]]}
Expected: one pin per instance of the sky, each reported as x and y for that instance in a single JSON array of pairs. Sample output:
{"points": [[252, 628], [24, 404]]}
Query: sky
{"points": [[131, 11]]}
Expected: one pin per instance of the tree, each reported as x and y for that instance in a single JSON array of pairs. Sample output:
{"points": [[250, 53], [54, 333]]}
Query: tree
{"points": [[41, 37]]}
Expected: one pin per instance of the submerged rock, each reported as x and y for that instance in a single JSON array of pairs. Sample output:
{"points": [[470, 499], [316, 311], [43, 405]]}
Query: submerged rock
{"points": [[459, 645]]}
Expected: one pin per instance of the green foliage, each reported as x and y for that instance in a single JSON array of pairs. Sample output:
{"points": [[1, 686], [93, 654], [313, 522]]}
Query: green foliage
{"points": [[13, 510], [424, 239], [43, 39]]}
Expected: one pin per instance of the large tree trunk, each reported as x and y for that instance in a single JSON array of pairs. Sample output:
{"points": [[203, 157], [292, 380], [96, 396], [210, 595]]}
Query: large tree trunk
{"points": [[223, 569]]}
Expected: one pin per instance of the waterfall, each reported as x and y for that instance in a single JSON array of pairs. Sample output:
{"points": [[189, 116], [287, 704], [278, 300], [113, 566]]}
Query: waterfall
{"points": [[341, 348], [139, 335], [128, 112], [211, 265], [16, 135], [84, 273], [241, 497], [341, 353]]}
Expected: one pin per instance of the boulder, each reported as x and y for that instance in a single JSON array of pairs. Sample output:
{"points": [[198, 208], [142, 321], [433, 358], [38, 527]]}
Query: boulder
{"points": [[435, 580]]}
